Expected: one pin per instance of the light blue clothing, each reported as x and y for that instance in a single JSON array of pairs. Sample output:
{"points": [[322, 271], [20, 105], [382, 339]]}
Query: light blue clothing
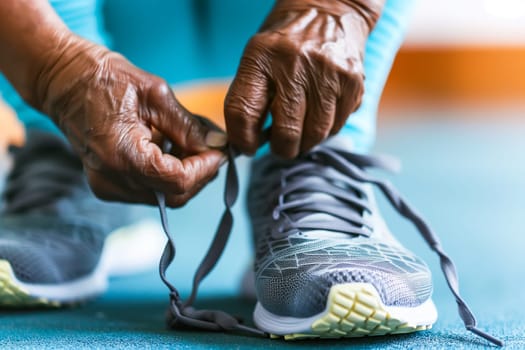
{"points": [[82, 17], [187, 39], [381, 49]]}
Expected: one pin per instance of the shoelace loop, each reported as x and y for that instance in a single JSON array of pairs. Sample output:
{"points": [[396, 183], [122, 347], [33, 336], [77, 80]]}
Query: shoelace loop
{"points": [[182, 314]]}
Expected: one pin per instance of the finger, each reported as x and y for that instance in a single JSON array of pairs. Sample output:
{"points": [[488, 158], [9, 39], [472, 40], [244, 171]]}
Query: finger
{"points": [[127, 190], [288, 114], [177, 123], [246, 103], [168, 174], [319, 119], [321, 108], [350, 100], [157, 137], [200, 169], [178, 200], [144, 161], [105, 188]]}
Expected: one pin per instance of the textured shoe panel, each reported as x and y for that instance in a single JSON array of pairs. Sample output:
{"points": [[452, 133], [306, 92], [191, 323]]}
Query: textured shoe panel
{"points": [[295, 270], [44, 250], [297, 284]]}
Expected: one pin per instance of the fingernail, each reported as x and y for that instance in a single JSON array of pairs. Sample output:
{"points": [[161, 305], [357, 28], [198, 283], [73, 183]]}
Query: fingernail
{"points": [[216, 139]]}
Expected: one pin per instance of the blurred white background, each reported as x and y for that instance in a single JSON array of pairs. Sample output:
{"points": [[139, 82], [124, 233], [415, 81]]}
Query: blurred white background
{"points": [[471, 22]]}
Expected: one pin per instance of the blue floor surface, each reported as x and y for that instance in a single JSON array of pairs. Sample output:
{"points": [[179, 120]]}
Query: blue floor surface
{"points": [[467, 178]]}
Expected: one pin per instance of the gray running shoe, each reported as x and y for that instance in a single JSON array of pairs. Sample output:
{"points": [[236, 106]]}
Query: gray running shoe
{"points": [[326, 265], [57, 241]]}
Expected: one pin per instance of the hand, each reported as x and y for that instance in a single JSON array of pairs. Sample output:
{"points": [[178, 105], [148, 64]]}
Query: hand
{"points": [[305, 66], [116, 116]]}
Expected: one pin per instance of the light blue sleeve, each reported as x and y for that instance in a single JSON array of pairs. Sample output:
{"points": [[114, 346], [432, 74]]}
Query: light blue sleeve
{"points": [[381, 49], [83, 17]]}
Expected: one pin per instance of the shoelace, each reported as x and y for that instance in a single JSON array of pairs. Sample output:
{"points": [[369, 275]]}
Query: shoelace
{"points": [[343, 201], [182, 313]]}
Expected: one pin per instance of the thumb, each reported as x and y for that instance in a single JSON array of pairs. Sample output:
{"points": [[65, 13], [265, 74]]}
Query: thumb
{"points": [[190, 133]]}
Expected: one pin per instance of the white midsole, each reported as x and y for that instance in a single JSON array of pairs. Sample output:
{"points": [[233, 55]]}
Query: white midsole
{"points": [[97, 281], [422, 315]]}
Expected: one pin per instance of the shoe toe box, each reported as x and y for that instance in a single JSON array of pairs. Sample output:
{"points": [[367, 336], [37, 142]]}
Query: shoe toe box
{"points": [[298, 286], [41, 251]]}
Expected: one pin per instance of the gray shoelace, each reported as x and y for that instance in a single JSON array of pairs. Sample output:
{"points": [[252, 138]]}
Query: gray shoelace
{"points": [[351, 167]]}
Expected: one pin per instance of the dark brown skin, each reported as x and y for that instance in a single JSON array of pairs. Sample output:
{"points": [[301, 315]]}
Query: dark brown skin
{"points": [[114, 114], [305, 66]]}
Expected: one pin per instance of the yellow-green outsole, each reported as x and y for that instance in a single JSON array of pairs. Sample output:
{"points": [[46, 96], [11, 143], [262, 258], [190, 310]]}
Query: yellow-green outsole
{"points": [[355, 310], [13, 295]]}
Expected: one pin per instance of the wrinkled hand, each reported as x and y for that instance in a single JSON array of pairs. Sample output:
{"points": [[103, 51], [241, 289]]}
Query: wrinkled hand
{"points": [[305, 66], [116, 117]]}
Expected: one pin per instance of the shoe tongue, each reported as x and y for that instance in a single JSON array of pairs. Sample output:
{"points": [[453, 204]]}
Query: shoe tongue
{"points": [[339, 142], [316, 197]]}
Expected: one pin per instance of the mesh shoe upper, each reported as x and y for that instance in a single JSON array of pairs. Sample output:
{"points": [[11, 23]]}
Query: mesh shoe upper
{"points": [[314, 228], [52, 228], [319, 212]]}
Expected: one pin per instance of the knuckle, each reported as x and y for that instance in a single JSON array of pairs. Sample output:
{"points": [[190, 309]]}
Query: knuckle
{"points": [[319, 133], [288, 49], [237, 109], [194, 130], [323, 107], [241, 130], [152, 169], [159, 90], [288, 133], [177, 201], [119, 160], [353, 78], [256, 55], [241, 117], [276, 42], [290, 102], [256, 41], [151, 166], [243, 107], [260, 41], [183, 181], [245, 102], [285, 141]]}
